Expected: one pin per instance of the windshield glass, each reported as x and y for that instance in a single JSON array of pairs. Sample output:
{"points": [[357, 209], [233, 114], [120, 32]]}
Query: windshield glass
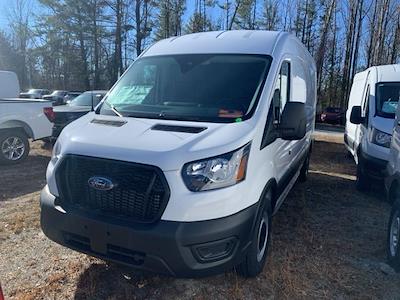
{"points": [[387, 98], [198, 87], [85, 99]]}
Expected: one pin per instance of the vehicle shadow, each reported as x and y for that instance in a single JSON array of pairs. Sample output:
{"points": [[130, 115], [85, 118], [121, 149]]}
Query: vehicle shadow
{"points": [[23, 178], [325, 235], [112, 281], [333, 159], [323, 226]]}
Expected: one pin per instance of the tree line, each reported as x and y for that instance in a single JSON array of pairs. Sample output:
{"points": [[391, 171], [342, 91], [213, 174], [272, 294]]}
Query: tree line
{"points": [[87, 44]]}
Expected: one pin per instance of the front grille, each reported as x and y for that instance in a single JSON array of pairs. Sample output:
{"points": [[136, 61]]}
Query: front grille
{"points": [[140, 192]]}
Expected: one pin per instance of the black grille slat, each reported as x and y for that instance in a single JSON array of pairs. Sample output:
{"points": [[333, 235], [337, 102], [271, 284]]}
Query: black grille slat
{"points": [[140, 193]]}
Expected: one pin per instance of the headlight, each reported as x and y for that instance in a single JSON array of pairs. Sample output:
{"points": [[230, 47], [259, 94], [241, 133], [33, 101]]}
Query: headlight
{"points": [[56, 152], [381, 138], [217, 172]]}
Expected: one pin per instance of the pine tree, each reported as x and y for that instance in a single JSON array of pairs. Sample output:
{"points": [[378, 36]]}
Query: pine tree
{"points": [[170, 18]]}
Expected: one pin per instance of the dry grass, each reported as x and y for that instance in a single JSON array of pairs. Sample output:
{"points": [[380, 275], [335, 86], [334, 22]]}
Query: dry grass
{"points": [[328, 242], [21, 216]]}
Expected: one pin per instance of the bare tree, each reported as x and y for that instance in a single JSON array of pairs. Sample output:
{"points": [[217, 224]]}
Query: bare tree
{"points": [[270, 15], [320, 56], [19, 16]]}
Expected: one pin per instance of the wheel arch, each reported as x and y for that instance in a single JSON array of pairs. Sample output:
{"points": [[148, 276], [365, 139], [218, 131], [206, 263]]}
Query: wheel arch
{"points": [[17, 125], [270, 186]]}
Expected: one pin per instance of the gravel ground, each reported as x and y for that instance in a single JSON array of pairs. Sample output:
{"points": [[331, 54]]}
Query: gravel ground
{"points": [[328, 242]]}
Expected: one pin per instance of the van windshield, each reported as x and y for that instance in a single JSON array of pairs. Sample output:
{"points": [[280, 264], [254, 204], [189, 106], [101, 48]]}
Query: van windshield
{"points": [[387, 98], [195, 87]]}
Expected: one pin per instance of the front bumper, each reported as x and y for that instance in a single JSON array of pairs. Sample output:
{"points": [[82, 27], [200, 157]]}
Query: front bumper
{"points": [[372, 166], [173, 248]]}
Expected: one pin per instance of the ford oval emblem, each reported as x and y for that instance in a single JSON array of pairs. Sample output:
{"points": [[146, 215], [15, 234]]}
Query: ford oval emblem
{"points": [[101, 183]]}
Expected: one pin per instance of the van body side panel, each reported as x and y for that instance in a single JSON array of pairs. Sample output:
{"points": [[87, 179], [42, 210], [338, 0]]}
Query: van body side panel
{"points": [[355, 99], [26, 114]]}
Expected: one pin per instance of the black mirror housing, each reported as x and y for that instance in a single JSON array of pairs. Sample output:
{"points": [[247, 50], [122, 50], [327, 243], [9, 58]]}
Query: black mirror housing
{"points": [[293, 121], [355, 116]]}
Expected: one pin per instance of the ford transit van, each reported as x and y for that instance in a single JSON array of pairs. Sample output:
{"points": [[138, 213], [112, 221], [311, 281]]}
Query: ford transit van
{"points": [[370, 119], [181, 167]]}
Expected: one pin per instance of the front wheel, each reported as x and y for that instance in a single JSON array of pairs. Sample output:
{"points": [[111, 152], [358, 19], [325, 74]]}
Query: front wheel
{"points": [[14, 147], [256, 256], [362, 180], [304, 169], [393, 239]]}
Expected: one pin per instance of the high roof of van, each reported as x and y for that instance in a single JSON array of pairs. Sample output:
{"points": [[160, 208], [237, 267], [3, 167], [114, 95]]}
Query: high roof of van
{"points": [[232, 41], [388, 73], [384, 73]]}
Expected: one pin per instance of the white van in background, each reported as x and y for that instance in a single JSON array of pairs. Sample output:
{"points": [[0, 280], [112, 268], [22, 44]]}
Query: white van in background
{"points": [[369, 120], [182, 165], [9, 85]]}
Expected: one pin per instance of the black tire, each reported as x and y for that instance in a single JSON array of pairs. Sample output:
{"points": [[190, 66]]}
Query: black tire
{"points": [[349, 155], [393, 237], [6, 140], [304, 169], [362, 181], [254, 262]]}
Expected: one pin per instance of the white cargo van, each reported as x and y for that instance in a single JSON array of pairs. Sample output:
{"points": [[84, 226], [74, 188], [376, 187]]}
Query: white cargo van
{"points": [[182, 165], [9, 85], [369, 120]]}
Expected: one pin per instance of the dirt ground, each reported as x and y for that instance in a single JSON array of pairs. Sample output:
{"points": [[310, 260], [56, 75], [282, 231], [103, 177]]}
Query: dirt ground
{"points": [[328, 242]]}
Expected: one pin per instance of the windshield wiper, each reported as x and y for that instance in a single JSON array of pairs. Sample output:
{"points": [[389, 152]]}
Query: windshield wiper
{"points": [[163, 116], [113, 109], [179, 117]]}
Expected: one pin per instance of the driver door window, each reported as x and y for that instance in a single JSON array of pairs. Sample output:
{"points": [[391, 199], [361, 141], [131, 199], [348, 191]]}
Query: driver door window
{"points": [[282, 91], [280, 97], [365, 108]]}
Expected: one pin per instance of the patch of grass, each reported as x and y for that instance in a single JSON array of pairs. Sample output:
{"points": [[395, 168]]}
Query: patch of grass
{"points": [[25, 215]]}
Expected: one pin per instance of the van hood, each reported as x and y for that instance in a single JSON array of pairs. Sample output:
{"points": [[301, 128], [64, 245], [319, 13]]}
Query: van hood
{"points": [[383, 124], [135, 140]]}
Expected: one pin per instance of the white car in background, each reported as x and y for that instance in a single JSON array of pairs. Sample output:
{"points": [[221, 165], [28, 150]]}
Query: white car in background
{"points": [[34, 94], [369, 121], [56, 97], [20, 120]]}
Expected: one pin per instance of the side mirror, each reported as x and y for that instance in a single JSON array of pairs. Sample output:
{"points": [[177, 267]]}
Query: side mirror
{"points": [[293, 121], [355, 116]]}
